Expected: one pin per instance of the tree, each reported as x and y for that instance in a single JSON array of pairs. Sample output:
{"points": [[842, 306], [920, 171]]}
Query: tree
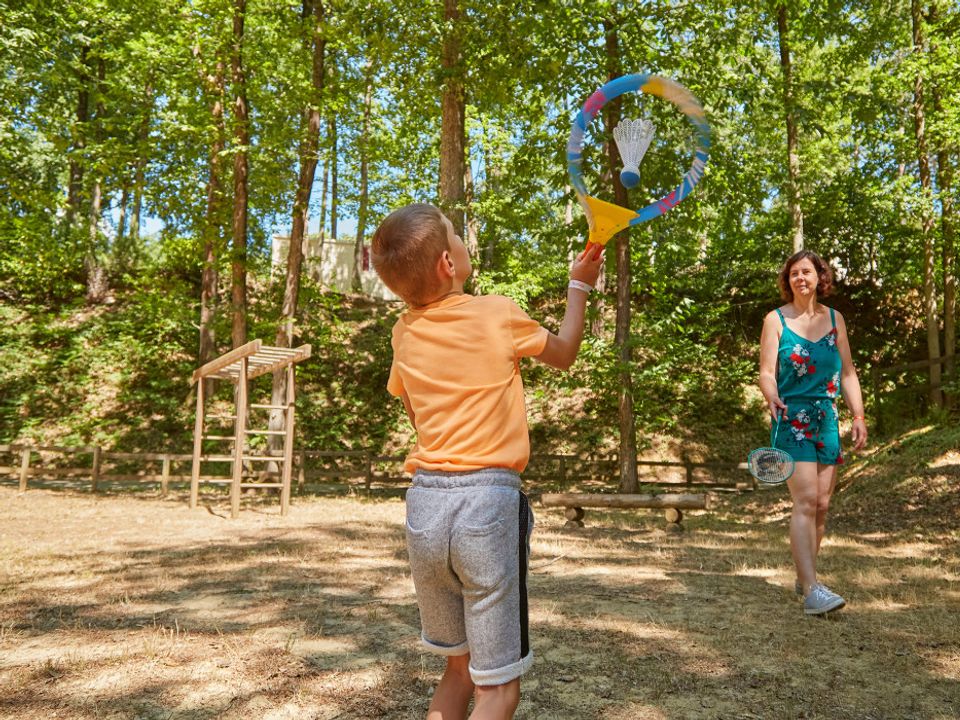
{"points": [[314, 13], [453, 125], [789, 108], [622, 338], [241, 142], [927, 219], [364, 149]]}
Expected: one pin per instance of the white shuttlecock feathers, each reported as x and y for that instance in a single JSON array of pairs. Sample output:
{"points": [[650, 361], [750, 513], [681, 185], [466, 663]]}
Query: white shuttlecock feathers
{"points": [[633, 137]]}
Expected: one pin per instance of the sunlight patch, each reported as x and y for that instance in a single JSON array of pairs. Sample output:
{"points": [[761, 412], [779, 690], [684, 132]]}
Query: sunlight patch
{"points": [[883, 605], [767, 573], [946, 664]]}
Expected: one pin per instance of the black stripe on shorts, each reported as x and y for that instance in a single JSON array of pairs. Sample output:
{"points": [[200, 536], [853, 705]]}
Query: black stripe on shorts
{"points": [[524, 619]]}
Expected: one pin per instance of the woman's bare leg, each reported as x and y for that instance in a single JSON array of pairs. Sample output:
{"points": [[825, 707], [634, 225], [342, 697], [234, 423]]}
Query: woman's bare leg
{"points": [[804, 488], [826, 482]]}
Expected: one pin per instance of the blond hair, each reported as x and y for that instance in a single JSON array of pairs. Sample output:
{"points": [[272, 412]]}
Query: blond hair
{"points": [[406, 248]]}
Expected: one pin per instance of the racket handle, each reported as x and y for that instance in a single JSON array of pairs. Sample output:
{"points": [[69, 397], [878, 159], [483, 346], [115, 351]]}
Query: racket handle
{"points": [[592, 247]]}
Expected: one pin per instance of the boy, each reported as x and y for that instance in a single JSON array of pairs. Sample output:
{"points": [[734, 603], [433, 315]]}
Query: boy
{"points": [[456, 368]]}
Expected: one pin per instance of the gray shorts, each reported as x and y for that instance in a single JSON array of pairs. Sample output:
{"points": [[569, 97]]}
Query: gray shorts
{"points": [[468, 538]]}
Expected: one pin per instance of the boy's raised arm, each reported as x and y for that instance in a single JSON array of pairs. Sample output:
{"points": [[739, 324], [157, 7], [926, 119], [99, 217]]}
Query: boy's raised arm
{"points": [[561, 349]]}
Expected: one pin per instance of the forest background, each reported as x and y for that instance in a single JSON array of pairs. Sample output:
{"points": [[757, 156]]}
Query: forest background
{"points": [[149, 150]]}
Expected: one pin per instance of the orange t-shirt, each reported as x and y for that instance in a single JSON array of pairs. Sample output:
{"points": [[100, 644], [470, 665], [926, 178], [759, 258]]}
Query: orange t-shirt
{"points": [[458, 361]]}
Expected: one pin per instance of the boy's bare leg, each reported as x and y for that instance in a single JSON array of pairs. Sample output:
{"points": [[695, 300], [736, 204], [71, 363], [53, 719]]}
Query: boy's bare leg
{"points": [[496, 702], [453, 694]]}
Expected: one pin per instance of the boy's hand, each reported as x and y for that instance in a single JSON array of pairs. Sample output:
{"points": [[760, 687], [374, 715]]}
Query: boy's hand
{"points": [[586, 267]]}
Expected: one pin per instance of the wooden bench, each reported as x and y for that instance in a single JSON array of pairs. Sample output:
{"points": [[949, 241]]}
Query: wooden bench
{"points": [[673, 504]]}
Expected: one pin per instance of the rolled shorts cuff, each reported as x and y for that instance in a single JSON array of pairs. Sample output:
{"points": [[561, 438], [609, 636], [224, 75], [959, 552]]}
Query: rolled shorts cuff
{"points": [[448, 650], [501, 676]]}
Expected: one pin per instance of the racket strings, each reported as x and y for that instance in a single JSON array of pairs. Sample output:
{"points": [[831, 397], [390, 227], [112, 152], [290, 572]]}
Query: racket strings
{"points": [[770, 465]]}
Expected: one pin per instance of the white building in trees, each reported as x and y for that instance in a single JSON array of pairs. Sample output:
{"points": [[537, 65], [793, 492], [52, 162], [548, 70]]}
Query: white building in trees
{"points": [[331, 264]]}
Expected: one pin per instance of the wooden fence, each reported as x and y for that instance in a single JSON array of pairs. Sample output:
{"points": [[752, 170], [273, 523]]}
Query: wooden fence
{"points": [[330, 469]]}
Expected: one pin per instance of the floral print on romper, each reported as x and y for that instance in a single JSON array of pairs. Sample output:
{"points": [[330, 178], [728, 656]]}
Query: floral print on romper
{"points": [[808, 380]]}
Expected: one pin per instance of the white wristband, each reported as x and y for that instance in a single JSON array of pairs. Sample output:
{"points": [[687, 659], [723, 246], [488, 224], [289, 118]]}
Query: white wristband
{"points": [[579, 285]]}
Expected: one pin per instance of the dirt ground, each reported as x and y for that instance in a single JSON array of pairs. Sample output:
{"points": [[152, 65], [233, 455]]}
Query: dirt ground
{"points": [[121, 606]]}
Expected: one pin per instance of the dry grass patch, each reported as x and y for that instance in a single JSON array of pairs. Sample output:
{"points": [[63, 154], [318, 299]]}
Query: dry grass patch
{"points": [[137, 607]]}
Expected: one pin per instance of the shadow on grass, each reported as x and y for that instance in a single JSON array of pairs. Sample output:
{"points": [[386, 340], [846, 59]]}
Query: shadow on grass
{"points": [[625, 620]]}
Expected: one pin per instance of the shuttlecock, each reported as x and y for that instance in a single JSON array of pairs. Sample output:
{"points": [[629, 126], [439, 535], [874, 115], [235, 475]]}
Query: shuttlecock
{"points": [[633, 137]]}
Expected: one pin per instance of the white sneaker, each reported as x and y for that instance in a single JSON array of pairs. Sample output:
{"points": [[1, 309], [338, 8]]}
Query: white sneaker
{"points": [[821, 600]]}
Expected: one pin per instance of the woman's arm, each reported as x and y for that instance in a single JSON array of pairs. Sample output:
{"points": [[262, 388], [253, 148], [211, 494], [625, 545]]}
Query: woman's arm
{"points": [[769, 345], [850, 386]]}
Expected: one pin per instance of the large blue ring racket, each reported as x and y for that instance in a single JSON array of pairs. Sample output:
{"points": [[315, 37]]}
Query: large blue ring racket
{"points": [[606, 219]]}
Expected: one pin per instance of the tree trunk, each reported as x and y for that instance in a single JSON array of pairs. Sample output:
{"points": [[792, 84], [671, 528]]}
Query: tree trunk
{"points": [[357, 280], [97, 281], [139, 178], [318, 261], [453, 120], [240, 170], [119, 247], [927, 219], [492, 185], [213, 223], [628, 430], [309, 148], [77, 155], [947, 233], [333, 179], [471, 238], [793, 156]]}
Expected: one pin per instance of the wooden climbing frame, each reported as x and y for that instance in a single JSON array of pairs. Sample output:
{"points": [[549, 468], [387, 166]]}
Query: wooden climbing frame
{"points": [[240, 366]]}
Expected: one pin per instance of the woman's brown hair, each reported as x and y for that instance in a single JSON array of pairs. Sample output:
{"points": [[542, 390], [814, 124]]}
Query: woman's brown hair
{"points": [[824, 274]]}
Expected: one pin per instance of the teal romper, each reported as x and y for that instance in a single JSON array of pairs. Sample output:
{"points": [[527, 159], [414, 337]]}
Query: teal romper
{"points": [[808, 380]]}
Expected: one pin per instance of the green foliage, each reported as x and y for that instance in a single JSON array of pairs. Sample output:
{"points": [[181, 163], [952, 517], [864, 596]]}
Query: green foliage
{"points": [[703, 275]]}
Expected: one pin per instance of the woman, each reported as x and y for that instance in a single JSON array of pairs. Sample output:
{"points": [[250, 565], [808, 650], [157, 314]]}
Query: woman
{"points": [[804, 364]]}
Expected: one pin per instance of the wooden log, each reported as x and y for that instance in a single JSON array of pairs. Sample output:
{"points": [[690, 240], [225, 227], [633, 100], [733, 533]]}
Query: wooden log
{"points": [[685, 501], [574, 513], [673, 515]]}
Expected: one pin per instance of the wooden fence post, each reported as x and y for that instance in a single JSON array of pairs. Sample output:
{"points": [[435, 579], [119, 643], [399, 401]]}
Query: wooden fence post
{"points": [[563, 472], [165, 476], [95, 474], [368, 480], [24, 467]]}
